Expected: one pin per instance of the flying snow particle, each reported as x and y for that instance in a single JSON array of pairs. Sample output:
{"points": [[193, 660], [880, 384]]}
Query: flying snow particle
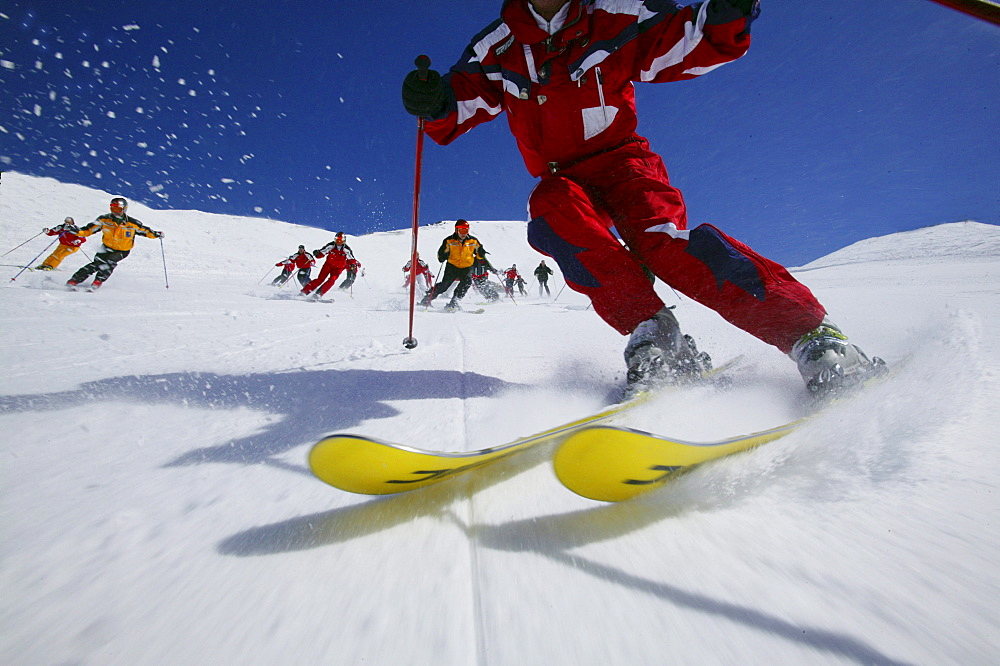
{"points": [[192, 93], [59, 56], [38, 64], [131, 26], [228, 180], [138, 109], [111, 114], [156, 62], [7, 64], [181, 82], [38, 110], [258, 209], [357, 179]]}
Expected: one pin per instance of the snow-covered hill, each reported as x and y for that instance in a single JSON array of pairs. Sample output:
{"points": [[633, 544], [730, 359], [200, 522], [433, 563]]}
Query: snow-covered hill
{"points": [[155, 506]]}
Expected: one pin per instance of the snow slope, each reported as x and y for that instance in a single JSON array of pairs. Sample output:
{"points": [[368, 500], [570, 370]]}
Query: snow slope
{"points": [[155, 506]]}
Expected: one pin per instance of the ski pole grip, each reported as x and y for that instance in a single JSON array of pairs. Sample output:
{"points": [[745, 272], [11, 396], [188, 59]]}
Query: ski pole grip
{"points": [[423, 63]]}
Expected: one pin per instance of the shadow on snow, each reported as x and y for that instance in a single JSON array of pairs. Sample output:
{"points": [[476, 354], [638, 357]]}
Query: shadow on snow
{"points": [[308, 404]]}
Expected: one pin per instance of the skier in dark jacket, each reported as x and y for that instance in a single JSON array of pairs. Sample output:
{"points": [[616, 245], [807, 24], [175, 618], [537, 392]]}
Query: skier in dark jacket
{"points": [[564, 73], [542, 274], [460, 251]]}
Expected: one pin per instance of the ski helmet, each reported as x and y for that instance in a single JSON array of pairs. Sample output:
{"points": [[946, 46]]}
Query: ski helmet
{"points": [[302, 248], [120, 203], [341, 237]]}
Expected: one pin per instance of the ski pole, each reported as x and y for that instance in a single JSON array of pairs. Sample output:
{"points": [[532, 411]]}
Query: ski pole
{"points": [[983, 9], [423, 64], [27, 241], [266, 274], [560, 293], [163, 254], [28, 265]]}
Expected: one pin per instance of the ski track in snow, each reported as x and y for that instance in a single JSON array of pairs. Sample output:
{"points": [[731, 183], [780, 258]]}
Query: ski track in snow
{"points": [[156, 506]]}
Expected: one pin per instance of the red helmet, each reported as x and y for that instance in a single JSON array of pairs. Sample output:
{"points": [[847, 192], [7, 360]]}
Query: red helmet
{"points": [[462, 224]]}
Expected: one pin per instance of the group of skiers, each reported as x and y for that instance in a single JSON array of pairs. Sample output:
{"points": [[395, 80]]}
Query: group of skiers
{"points": [[339, 259], [465, 263]]}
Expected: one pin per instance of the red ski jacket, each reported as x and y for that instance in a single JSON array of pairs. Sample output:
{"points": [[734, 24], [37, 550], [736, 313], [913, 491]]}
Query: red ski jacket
{"points": [[302, 260], [67, 236], [570, 95], [336, 255]]}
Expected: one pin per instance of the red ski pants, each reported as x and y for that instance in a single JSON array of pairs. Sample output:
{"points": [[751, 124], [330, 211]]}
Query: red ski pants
{"points": [[327, 277], [573, 211]]}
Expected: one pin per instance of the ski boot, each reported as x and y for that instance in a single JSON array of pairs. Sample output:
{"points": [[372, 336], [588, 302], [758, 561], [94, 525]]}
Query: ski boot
{"points": [[43, 267], [95, 285], [425, 302], [658, 353], [452, 305], [830, 365], [72, 285]]}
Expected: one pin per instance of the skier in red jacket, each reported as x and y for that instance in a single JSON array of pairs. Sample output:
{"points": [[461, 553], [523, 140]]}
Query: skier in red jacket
{"points": [[422, 269], [337, 254], [70, 241], [301, 260], [351, 274], [564, 71]]}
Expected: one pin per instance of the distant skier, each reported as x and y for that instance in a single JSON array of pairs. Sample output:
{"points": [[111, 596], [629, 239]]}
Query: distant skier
{"points": [[512, 277], [460, 250], [118, 233], [337, 254], [351, 271], [422, 270], [70, 241], [301, 260], [542, 274], [564, 73]]}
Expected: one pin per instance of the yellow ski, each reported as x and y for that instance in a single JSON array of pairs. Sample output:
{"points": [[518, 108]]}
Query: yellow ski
{"points": [[369, 466], [611, 464]]}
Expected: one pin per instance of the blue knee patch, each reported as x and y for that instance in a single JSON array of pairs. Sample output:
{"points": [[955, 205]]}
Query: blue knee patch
{"points": [[545, 240], [725, 262]]}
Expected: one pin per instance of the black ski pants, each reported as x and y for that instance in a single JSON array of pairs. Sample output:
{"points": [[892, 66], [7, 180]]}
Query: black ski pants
{"points": [[451, 274], [104, 264]]}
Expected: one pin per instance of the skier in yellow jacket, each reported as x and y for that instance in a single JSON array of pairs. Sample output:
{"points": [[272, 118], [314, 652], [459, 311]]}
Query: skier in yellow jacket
{"points": [[118, 232], [461, 251]]}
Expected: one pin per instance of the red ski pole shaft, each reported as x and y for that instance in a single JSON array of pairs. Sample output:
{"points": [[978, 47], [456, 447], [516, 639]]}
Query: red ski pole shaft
{"points": [[422, 63]]}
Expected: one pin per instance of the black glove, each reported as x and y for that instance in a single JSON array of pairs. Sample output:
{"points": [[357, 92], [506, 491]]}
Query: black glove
{"points": [[426, 98]]}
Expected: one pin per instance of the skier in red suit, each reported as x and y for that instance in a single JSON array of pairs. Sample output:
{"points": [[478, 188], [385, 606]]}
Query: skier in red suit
{"points": [[337, 254], [564, 72]]}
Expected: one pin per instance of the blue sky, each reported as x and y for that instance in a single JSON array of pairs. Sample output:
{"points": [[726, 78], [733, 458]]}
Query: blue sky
{"points": [[846, 120]]}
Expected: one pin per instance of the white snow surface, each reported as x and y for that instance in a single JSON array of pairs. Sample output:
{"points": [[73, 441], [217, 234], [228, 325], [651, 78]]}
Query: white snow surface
{"points": [[157, 508]]}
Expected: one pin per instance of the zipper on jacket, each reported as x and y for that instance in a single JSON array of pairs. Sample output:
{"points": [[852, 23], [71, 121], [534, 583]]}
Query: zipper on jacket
{"points": [[600, 93]]}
